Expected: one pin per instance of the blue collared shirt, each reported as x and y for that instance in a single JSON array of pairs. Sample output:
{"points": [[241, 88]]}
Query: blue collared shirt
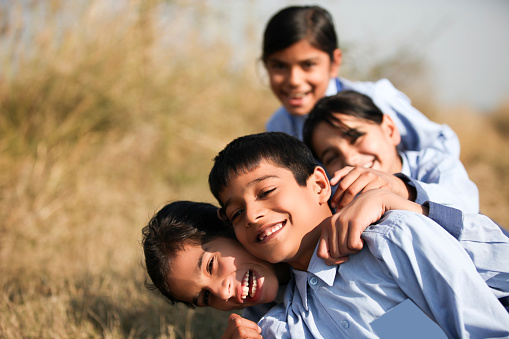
{"points": [[441, 179], [407, 256], [416, 130]]}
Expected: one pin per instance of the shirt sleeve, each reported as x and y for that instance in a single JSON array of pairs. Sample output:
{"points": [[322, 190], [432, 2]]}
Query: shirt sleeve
{"points": [[450, 218], [274, 323], [441, 178], [435, 272]]}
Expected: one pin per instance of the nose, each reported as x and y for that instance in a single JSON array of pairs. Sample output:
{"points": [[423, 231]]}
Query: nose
{"points": [[294, 77], [222, 289], [254, 211], [350, 156]]}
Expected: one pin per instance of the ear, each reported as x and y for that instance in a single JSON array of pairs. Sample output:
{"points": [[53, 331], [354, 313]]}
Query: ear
{"points": [[321, 185], [335, 63], [391, 130], [221, 214]]}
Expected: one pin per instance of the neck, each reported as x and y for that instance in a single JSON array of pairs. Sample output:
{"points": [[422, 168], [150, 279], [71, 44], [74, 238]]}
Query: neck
{"points": [[398, 166], [306, 249]]}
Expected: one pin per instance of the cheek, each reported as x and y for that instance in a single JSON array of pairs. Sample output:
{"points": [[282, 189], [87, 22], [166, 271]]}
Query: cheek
{"points": [[320, 78], [276, 78]]}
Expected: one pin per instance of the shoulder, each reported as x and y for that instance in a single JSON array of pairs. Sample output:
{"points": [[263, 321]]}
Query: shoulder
{"points": [[279, 118], [371, 88], [401, 229]]}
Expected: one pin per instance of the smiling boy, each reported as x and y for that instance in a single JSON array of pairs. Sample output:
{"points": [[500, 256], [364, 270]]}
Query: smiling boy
{"points": [[275, 196]]}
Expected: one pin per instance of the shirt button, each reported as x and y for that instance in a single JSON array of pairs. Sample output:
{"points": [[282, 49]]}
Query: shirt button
{"points": [[313, 281], [345, 323]]}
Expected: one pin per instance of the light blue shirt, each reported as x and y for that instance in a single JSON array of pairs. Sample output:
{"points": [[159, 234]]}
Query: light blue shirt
{"points": [[416, 130], [442, 179], [407, 256]]}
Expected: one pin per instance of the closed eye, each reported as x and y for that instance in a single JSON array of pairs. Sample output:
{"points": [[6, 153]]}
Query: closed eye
{"points": [[235, 214], [308, 64], [352, 135], [329, 159], [264, 194]]}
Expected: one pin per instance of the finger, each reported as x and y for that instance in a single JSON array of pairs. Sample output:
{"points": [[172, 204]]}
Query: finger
{"points": [[343, 186], [342, 227], [355, 242], [239, 327], [323, 247], [240, 321], [334, 261], [338, 175]]}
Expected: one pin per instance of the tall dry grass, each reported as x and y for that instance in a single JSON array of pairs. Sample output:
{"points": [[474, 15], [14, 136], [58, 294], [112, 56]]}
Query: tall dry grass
{"points": [[106, 113], [102, 121]]}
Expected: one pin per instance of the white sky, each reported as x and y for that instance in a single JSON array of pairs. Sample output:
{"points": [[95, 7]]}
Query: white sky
{"points": [[464, 42]]}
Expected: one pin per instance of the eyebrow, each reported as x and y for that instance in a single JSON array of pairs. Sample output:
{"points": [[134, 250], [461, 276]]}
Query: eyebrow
{"points": [[251, 183], [198, 269]]}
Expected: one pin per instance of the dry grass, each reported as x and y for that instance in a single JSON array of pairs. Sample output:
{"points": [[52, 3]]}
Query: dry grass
{"points": [[101, 123]]}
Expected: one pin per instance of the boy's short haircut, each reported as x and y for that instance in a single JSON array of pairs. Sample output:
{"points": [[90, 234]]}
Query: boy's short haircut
{"points": [[176, 225], [345, 102], [245, 153]]}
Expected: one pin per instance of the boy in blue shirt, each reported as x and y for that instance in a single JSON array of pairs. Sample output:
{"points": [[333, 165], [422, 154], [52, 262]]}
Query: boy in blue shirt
{"points": [[276, 198]]}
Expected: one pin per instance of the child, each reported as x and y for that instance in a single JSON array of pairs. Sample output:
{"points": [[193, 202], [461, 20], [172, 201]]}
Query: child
{"points": [[275, 196], [184, 226], [348, 129], [302, 58]]}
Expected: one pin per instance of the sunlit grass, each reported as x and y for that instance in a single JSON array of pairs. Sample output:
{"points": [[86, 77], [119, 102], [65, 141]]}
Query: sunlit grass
{"points": [[102, 121]]}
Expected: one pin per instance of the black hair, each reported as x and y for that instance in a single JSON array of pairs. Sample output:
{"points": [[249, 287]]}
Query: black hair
{"points": [[345, 102], [176, 225], [294, 23], [245, 154]]}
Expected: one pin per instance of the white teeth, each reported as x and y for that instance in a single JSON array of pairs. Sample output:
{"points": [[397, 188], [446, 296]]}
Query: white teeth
{"points": [[245, 286], [297, 95], [253, 288], [270, 231]]}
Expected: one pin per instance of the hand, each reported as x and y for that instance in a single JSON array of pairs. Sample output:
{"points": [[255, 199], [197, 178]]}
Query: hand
{"points": [[239, 327], [354, 180], [341, 233]]}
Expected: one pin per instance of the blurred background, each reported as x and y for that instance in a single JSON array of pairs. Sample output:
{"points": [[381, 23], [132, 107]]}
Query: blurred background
{"points": [[110, 109]]}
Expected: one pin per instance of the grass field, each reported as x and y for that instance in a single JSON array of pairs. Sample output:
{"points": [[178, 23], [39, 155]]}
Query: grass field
{"points": [[101, 123]]}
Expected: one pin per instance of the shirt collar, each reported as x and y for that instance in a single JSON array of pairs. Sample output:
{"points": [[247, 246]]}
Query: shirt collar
{"points": [[317, 267], [333, 88]]}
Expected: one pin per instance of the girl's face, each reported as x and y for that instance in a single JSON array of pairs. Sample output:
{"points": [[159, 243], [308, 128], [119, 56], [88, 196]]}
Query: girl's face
{"points": [[366, 145], [223, 275], [299, 75]]}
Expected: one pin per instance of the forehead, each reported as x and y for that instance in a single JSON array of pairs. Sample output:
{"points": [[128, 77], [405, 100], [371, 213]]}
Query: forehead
{"points": [[300, 50], [265, 170], [183, 274]]}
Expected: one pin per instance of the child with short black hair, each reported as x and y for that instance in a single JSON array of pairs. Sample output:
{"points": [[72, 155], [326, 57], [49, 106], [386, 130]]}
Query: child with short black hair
{"points": [[275, 196]]}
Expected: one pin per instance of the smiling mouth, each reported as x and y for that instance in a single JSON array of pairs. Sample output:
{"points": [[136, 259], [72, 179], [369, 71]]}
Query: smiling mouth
{"points": [[249, 285], [369, 164], [270, 230], [297, 95]]}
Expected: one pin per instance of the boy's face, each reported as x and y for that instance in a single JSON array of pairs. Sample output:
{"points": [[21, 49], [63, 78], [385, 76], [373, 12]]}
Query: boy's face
{"points": [[223, 275], [373, 147], [273, 216], [299, 75]]}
